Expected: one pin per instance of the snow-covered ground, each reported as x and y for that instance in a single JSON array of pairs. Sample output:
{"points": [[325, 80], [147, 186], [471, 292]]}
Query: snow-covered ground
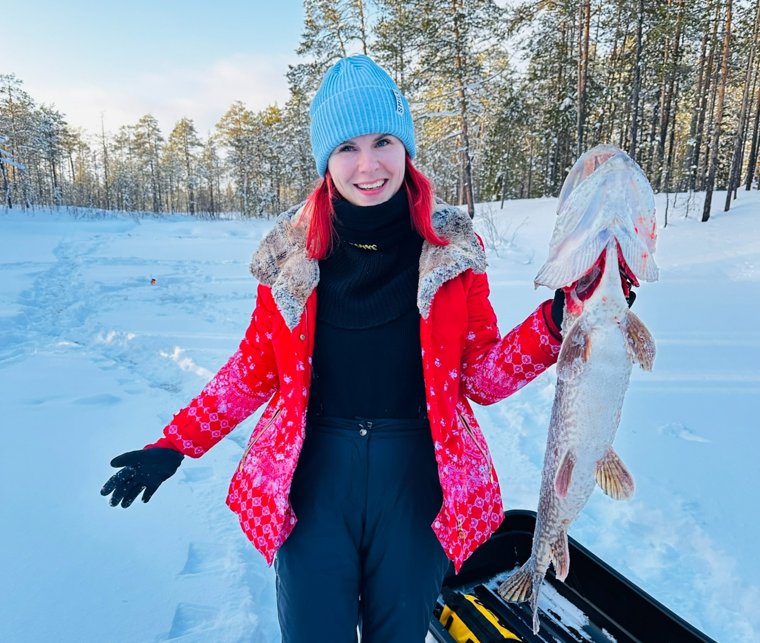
{"points": [[94, 360]]}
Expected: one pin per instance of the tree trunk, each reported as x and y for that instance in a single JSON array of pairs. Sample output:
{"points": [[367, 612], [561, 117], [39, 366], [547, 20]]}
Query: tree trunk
{"points": [[709, 100], [362, 25], [649, 152], [718, 117], [6, 186], [504, 173], [530, 170], [690, 161], [14, 180], [584, 20], [636, 80], [668, 167], [607, 115], [755, 142], [106, 184], [462, 94], [189, 175], [54, 178]]}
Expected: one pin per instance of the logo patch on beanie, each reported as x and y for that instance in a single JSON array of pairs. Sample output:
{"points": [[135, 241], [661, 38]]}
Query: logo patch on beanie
{"points": [[399, 102]]}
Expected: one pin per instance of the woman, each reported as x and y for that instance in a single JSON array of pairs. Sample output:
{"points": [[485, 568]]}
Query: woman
{"points": [[367, 472]]}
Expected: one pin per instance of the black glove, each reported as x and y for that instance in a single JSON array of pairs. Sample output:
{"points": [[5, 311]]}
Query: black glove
{"points": [[145, 469], [558, 308]]}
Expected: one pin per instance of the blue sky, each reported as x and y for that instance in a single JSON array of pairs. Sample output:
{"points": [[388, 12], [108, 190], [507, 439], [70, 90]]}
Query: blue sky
{"points": [[169, 58]]}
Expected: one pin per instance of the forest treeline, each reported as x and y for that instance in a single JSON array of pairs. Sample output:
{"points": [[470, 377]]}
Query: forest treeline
{"points": [[504, 99]]}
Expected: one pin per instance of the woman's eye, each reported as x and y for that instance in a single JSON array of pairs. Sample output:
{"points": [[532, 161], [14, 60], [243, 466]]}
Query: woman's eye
{"points": [[345, 148], [383, 142]]}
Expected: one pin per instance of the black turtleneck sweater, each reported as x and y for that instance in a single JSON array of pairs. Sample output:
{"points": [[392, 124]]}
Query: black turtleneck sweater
{"points": [[367, 360]]}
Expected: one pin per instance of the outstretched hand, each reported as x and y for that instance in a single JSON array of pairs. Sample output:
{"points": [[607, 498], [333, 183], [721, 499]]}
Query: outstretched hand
{"points": [[143, 471]]}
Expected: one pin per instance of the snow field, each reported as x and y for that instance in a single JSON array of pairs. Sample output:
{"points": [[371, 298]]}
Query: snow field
{"points": [[94, 360]]}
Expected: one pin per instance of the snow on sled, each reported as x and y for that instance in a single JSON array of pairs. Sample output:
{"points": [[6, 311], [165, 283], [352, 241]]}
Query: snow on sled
{"points": [[595, 603]]}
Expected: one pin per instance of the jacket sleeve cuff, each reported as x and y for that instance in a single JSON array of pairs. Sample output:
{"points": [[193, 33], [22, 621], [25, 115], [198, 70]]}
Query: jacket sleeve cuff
{"points": [[162, 443], [546, 311]]}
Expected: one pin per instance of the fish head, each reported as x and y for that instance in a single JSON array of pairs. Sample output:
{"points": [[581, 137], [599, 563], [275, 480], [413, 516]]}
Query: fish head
{"points": [[605, 197]]}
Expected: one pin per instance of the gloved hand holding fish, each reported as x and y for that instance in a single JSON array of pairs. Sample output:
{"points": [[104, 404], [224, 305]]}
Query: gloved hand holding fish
{"points": [[602, 243]]}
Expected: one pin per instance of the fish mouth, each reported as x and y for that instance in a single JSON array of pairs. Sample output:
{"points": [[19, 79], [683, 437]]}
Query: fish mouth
{"points": [[589, 282]]}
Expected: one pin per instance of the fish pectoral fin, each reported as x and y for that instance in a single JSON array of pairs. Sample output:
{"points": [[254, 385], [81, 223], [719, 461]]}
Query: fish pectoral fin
{"points": [[613, 477], [641, 345], [561, 556], [574, 353], [518, 588], [564, 474]]}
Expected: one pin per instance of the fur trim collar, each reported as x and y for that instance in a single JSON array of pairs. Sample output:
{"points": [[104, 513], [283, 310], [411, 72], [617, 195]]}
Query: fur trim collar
{"points": [[281, 262]]}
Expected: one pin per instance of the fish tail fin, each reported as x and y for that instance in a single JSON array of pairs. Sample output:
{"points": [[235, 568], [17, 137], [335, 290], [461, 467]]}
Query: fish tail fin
{"points": [[641, 345], [518, 588], [561, 556], [524, 585], [613, 476]]}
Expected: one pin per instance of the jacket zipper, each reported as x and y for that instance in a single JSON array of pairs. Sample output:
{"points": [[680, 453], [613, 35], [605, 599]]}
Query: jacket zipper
{"points": [[258, 437], [472, 436]]}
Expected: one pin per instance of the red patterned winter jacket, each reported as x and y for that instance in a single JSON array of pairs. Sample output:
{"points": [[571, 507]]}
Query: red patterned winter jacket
{"points": [[463, 357]]}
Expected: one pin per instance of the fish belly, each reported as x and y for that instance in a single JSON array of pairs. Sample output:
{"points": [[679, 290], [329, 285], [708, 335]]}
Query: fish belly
{"points": [[585, 417]]}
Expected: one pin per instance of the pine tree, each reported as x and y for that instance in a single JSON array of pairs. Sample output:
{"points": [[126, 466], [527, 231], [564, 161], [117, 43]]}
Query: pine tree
{"points": [[181, 156], [459, 37], [396, 43], [6, 162], [237, 131], [49, 131], [17, 124], [332, 29], [295, 152], [210, 172]]}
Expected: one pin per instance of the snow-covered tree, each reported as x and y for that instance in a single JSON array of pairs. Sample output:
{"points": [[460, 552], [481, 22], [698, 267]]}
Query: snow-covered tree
{"points": [[181, 166]]}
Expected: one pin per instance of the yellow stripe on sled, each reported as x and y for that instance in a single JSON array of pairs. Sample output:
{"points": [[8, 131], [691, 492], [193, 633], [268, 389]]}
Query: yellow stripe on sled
{"points": [[461, 633]]}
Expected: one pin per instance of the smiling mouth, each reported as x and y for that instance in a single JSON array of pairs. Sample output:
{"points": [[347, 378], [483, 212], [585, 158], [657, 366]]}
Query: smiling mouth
{"points": [[372, 186]]}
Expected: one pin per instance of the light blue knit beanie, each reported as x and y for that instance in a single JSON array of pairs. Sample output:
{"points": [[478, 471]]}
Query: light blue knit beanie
{"points": [[357, 97]]}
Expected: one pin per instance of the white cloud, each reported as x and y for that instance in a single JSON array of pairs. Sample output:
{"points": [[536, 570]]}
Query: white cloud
{"points": [[202, 94]]}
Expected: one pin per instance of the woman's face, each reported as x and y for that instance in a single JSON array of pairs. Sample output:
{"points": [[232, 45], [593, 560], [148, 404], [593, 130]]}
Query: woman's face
{"points": [[369, 169]]}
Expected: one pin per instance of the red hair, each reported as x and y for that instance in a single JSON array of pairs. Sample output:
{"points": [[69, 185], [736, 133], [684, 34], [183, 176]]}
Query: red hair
{"points": [[318, 212]]}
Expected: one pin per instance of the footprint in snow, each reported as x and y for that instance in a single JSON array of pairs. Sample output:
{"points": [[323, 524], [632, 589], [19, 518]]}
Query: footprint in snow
{"points": [[98, 400], [197, 474], [681, 431], [203, 558], [191, 619]]}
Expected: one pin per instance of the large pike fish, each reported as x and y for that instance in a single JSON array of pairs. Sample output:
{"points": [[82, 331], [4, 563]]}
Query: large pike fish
{"points": [[602, 242]]}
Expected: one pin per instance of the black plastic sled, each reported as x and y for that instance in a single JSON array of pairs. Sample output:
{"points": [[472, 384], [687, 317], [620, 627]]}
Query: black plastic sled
{"points": [[595, 603]]}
